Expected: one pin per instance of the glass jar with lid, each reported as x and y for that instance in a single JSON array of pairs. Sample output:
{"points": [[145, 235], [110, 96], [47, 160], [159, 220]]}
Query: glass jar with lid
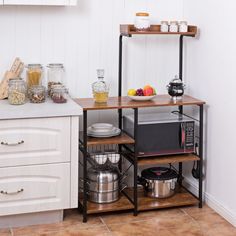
{"points": [[34, 74], [55, 75], [183, 26], [174, 27], [142, 21], [100, 88], [17, 91], [37, 94], [59, 94], [164, 26]]}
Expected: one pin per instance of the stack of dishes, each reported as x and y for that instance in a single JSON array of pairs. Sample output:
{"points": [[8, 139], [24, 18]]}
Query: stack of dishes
{"points": [[103, 130]]}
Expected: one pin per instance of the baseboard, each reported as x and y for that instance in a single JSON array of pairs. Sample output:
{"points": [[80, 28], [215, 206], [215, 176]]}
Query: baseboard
{"points": [[212, 202]]}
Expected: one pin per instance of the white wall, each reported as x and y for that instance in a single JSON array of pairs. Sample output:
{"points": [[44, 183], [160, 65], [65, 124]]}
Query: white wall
{"points": [[210, 69], [86, 37]]}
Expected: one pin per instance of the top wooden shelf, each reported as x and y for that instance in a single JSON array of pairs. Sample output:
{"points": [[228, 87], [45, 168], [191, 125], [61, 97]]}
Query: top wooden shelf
{"points": [[126, 102], [128, 30]]}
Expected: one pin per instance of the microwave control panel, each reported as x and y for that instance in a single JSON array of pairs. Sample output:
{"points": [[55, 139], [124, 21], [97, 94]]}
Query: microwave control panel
{"points": [[189, 135]]}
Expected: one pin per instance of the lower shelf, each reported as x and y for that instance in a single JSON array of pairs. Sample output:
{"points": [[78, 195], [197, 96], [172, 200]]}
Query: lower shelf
{"points": [[122, 204], [181, 198]]}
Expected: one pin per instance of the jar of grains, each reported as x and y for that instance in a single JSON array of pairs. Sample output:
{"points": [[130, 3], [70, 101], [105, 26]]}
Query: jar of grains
{"points": [[17, 91], [37, 94], [34, 74], [59, 94]]}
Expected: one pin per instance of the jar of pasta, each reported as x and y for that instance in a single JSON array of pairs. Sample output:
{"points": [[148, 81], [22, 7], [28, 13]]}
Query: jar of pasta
{"points": [[34, 75]]}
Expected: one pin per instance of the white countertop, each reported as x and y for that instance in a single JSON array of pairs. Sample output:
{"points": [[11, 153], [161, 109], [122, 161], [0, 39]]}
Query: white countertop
{"points": [[43, 110]]}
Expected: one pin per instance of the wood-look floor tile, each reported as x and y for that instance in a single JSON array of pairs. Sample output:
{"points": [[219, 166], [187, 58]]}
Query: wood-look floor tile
{"points": [[196, 210], [76, 231], [221, 229], [142, 228], [128, 217], [72, 219], [187, 230], [5, 232]]}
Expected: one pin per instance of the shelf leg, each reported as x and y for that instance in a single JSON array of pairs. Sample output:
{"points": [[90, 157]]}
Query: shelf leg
{"points": [[120, 66], [181, 57], [85, 167], [135, 162], [180, 173], [200, 154]]}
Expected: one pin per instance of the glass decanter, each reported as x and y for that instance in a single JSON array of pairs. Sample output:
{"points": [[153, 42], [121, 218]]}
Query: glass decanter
{"points": [[100, 88]]}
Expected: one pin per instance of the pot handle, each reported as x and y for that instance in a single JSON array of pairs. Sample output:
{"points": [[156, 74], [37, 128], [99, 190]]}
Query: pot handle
{"points": [[142, 181]]}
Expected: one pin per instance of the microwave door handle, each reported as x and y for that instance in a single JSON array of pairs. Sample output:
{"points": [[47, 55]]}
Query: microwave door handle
{"points": [[182, 136]]}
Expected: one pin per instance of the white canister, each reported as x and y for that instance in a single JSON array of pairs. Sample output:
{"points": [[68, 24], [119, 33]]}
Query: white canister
{"points": [[142, 21], [164, 26], [183, 26], [174, 27]]}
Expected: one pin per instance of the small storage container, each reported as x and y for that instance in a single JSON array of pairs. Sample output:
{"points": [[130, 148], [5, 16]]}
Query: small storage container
{"points": [[59, 94], [34, 74], [142, 21], [55, 75], [17, 91], [37, 94], [174, 27]]}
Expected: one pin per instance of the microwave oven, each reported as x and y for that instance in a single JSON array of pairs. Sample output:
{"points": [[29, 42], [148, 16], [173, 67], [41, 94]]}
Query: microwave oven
{"points": [[161, 134]]}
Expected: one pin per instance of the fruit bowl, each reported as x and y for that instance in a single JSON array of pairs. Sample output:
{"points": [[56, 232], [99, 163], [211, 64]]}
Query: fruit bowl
{"points": [[142, 98]]}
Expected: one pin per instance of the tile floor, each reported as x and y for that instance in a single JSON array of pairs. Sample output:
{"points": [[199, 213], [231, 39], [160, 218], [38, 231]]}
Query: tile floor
{"points": [[187, 221]]}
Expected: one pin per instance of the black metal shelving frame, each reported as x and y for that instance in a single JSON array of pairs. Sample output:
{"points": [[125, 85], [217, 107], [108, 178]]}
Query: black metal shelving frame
{"points": [[201, 111], [84, 147]]}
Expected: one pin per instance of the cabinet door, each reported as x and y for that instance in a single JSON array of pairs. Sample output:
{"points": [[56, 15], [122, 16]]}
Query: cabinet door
{"points": [[35, 141], [34, 188], [41, 2]]}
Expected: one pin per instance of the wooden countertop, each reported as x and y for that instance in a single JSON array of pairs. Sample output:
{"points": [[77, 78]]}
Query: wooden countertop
{"points": [[126, 102]]}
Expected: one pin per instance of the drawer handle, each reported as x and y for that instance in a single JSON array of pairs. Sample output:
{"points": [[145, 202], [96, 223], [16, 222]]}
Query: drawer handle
{"points": [[12, 193], [12, 144]]}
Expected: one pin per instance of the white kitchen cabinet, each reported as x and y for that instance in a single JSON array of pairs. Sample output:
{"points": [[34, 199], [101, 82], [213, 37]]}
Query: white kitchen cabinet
{"points": [[38, 159], [41, 2], [35, 141], [34, 188]]}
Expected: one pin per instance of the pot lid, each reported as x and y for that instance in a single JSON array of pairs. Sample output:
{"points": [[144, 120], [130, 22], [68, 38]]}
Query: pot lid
{"points": [[159, 173], [176, 80]]}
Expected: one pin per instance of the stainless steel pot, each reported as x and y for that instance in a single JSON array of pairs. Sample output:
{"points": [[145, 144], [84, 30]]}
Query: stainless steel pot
{"points": [[159, 182], [104, 197], [104, 184]]}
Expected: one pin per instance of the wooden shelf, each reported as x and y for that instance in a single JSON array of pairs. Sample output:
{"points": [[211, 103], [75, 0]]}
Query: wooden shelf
{"points": [[122, 204], [126, 102], [181, 198], [128, 30], [120, 139], [167, 159]]}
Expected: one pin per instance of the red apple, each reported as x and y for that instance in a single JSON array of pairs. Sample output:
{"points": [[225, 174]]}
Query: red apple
{"points": [[148, 91]]}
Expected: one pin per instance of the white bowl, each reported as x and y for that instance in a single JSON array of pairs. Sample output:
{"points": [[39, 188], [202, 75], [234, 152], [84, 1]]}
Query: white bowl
{"points": [[142, 98]]}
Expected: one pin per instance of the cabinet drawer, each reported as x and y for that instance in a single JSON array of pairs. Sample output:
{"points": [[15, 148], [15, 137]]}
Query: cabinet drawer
{"points": [[34, 188], [34, 141]]}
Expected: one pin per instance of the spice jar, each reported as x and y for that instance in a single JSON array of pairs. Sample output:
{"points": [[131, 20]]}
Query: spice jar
{"points": [[100, 88], [164, 26], [55, 75], [59, 94], [142, 21], [37, 94], [174, 26], [183, 26], [34, 74], [17, 91]]}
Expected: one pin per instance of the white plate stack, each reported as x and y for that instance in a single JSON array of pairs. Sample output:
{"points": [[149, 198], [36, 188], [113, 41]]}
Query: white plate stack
{"points": [[103, 130]]}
